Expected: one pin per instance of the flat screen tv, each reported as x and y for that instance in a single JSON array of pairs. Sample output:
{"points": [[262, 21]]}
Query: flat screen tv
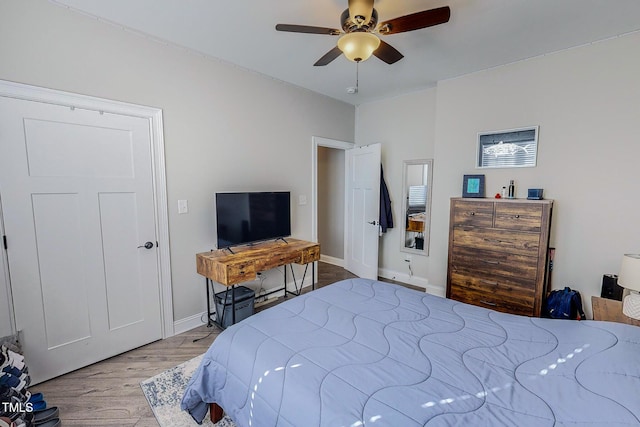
{"points": [[249, 217]]}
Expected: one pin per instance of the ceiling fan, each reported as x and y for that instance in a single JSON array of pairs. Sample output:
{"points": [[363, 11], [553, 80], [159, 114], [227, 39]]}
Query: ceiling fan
{"points": [[360, 30]]}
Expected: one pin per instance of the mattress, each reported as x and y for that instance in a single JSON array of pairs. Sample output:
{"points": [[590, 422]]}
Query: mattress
{"points": [[362, 352]]}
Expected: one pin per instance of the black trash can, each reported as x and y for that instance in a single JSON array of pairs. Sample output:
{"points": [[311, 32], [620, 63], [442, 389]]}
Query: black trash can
{"points": [[244, 300]]}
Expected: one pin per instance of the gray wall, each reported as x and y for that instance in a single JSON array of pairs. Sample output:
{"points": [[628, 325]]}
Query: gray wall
{"points": [[219, 137], [405, 126], [585, 101], [225, 129]]}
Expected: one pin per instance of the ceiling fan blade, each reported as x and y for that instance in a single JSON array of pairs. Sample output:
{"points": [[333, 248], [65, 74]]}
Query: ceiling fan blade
{"points": [[416, 21], [328, 57], [307, 29], [388, 53]]}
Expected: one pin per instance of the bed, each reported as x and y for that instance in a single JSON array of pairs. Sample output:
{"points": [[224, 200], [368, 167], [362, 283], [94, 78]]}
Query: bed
{"points": [[366, 353]]}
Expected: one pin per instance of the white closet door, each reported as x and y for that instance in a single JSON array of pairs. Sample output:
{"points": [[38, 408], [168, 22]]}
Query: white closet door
{"points": [[6, 307], [77, 195]]}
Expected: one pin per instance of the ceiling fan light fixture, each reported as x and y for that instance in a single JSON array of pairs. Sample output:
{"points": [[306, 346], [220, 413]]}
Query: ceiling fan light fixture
{"points": [[358, 46], [360, 11]]}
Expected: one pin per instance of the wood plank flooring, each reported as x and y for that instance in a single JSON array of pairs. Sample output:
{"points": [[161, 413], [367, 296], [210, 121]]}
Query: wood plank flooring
{"points": [[108, 393]]}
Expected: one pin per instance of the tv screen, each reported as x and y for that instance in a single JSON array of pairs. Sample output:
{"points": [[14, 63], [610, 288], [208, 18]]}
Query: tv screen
{"points": [[248, 217]]}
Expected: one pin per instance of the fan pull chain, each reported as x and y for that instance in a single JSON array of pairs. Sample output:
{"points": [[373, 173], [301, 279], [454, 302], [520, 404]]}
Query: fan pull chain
{"points": [[354, 89]]}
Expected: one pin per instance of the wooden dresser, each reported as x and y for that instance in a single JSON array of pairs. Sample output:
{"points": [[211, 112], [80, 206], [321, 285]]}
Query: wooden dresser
{"points": [[498, 252]]}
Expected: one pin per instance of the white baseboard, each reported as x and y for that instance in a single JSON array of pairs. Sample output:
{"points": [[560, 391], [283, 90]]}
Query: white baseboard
{"points": [[199, 319], [188, 323], [394, 275], [332, 260], [265, 299], [412, 280]]}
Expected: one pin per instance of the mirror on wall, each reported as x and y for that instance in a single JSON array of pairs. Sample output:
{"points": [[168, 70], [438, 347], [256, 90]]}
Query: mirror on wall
{"points": [[416, 205]]}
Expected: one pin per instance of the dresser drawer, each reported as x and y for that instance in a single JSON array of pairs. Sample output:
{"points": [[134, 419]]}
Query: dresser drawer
{"points": [[240, 272], [507, 241], [508, 288], [472, 261], [518, 216], [287, 258], [310, 255], [472, 213], [512, 305]]}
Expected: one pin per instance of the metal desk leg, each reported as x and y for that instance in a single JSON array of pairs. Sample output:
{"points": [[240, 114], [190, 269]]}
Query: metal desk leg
{"points": [[209, 321], [233, 305], [285, 280]]}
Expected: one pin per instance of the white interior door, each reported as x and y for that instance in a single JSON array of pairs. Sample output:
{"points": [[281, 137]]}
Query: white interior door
{"points": [[6, 306], [78, 201], [362, 210]]}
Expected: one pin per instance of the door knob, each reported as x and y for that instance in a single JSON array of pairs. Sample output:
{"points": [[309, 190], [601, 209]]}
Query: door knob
{"points": [[373, 222], [147, 245]]}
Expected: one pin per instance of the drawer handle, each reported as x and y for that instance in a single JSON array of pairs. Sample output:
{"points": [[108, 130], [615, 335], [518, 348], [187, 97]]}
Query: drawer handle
{"points": [[517, 216], [492, 304], [488, 261], [493, 240]]}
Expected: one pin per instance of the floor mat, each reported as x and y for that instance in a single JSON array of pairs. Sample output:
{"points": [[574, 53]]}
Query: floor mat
{"points": [[164, 393]]}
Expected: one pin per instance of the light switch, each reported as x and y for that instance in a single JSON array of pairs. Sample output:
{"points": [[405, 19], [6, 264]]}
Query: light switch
{"points": [[183, 206], [302, 199]]}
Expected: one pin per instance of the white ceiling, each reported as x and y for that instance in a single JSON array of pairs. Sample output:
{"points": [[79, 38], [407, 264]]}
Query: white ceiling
{"points": [[480, 34]]}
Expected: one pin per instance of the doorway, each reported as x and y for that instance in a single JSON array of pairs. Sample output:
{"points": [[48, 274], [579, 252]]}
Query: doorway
{"points": [[361, 203], [328, 198], [331, 209]]}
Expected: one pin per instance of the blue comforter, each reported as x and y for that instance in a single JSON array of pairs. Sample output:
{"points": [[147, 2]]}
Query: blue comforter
{"points": [[361, 352]]}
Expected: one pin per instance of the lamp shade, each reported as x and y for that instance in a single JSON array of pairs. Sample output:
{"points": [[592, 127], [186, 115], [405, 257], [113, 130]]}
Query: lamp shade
{"points": [[358, 46], [629, 276]]}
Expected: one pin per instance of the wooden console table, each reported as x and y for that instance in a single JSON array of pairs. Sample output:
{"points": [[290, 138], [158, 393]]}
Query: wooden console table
{"points": [[415, 224], [244, 264]]}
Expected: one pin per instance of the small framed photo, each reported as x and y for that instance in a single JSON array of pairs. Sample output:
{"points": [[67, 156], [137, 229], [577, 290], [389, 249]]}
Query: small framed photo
{"points": [[473, 186]]}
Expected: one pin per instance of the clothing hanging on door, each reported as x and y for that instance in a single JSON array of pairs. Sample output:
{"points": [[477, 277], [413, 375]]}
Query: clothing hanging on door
{"points": [[386, 215]]}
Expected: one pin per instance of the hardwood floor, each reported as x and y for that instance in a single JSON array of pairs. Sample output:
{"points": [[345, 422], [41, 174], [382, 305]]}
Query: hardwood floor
{"points": [[108, 393]]}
